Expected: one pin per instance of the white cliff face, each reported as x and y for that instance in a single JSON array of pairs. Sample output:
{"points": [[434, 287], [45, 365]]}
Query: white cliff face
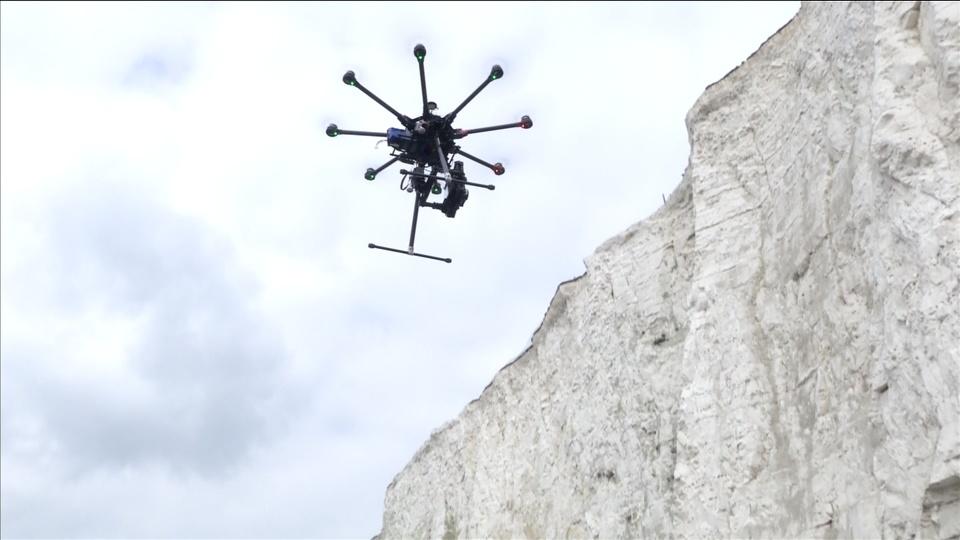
{"points": [[776, 352]]}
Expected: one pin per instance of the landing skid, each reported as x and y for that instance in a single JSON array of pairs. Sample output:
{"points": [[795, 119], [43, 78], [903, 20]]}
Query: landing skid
{"points": [[419, 199], [410, 252]]}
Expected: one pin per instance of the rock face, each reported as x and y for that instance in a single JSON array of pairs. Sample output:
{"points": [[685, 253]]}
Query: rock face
{"points": [[776, 352]]}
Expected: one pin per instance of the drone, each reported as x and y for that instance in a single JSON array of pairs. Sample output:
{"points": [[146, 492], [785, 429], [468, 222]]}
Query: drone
{"points": [[427, 142]]}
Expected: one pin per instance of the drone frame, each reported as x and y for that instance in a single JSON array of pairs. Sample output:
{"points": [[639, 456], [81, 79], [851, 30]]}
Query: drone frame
{"points": [[437, 134]]}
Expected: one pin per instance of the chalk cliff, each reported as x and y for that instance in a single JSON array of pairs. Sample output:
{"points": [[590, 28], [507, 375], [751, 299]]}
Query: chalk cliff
{"points": [[775, 352]]}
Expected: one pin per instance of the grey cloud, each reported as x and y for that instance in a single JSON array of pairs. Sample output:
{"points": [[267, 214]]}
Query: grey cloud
{"points": [[213, 367], [159, 68]]}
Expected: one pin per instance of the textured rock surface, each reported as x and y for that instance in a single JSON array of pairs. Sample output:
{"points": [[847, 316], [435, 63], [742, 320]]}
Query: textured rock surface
{"points": [[776, 352]]}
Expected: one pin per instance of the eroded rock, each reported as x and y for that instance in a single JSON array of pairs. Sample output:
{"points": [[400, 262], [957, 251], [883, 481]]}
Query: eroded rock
{"points": [[776, 352]]}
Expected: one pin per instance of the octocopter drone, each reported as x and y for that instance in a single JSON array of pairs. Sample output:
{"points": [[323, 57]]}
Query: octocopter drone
{"points": [[427, 143]]}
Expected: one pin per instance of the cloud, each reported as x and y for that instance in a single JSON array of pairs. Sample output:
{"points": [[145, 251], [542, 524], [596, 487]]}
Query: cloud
{"points": [[158, 69], [202, 375]]}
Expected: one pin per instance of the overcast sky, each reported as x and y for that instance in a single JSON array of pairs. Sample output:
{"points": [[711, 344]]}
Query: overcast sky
{"points": [[195, 339]]}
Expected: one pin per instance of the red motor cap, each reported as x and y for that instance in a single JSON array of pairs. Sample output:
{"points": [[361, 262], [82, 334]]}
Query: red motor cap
{"points": [[526, 122], [498, 169]]}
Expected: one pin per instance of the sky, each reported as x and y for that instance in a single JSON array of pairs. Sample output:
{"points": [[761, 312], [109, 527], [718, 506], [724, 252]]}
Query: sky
{"points": [[195, 340]]}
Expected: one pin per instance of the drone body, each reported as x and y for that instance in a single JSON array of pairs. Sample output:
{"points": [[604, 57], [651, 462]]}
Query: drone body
{"points": [[428, 142]]}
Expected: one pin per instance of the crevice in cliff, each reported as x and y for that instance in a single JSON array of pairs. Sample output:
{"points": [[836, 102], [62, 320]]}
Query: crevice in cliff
{"points": [[941, 506], [804, 265], [917, 189], [781, 461], [763, 161], [728, 218]]}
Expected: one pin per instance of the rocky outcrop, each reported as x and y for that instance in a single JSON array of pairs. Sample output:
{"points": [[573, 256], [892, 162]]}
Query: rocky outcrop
{"points": [[776, 352]]}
